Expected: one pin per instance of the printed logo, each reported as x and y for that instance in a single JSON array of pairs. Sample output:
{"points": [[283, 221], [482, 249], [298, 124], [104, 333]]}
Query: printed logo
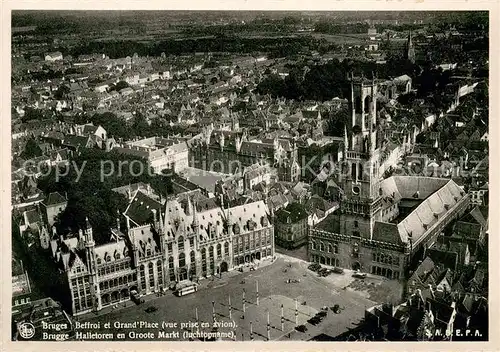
{"points": [[26, 330]]}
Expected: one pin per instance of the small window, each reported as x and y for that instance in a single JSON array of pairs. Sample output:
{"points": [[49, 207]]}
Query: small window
{"points": [[356, 224]]}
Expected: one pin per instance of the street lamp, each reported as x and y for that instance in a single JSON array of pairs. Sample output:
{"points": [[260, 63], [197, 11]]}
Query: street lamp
{"points": [[257, 283], [268, 327], [282, 320], [244, 301], [213, 311], [296, 313]]}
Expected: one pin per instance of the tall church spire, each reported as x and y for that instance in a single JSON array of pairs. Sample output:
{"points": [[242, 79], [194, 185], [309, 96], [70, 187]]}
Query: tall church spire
{"points": [[410, 50]]}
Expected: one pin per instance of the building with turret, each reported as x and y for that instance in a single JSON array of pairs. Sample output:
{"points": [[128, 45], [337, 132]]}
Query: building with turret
{"points": [[382, 224], [190, 237]]}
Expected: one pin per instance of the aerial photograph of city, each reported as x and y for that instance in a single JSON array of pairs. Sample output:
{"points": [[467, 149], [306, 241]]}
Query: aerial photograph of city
{"points": [[249, 175]]}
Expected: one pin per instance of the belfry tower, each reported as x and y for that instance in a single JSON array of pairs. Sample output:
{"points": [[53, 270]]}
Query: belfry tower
{"points": [[360, 173]]}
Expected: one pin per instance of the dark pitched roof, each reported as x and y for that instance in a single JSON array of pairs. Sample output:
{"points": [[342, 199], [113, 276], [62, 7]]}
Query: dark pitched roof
{"points": [[294, 212], [75, 141], [475, 216], [444, 257], [310, 114], [89, 129], [54, 198], [33, 216], [140, 208], [442, 311]]}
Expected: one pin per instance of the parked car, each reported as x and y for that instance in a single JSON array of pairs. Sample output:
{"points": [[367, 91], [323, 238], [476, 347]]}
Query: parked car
{"points": [[314, 321], [135, 297], [338, 270], [324, 272], [336, 309], [359, 275], [151, 309], [314, 267], [301, 328]]}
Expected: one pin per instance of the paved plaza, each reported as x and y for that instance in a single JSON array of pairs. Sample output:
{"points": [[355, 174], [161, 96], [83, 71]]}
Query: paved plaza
{"points": [[309, 295]]}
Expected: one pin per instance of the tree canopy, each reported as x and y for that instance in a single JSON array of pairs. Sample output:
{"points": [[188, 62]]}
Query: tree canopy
{"points": [[91, 195]]}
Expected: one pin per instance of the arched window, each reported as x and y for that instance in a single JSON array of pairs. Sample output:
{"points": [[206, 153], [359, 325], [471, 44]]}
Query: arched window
{"points": [[204, 260], [353, 171], [357, 104], [219, 251], [330, 248], [192, 257], [321, 246], [226, 248], [180, 243], [356, 223], [143, 277], [182, 260], [368, 101], [99, 261], [159, 269], [211, 255], [171, 262], [313, 244], [151, 275]]}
